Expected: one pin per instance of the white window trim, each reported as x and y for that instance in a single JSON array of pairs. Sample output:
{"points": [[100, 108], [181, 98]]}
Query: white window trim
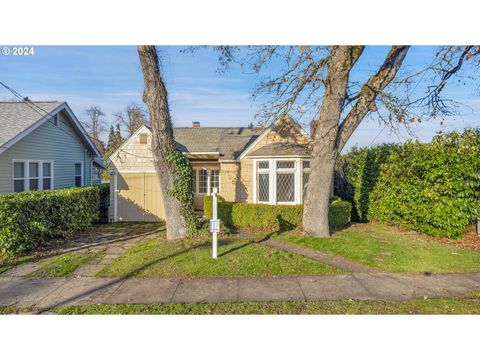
{"points": [[81, 173], [272, 171], [26, 178], [303, 170], [196, 174]]}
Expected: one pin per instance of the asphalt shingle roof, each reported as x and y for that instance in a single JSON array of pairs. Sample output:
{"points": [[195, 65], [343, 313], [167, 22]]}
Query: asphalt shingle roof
{"points": [[230, 142], [16, 117], [282, 149]]}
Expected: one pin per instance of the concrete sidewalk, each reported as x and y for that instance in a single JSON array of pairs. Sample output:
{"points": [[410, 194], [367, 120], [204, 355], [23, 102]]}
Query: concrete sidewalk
{"points": [[48, 293]]}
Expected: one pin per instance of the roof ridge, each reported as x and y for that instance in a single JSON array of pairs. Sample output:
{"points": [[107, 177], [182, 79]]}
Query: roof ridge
{"points": [[20, 102]]}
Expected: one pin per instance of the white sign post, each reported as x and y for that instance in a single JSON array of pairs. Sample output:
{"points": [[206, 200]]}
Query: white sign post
{"points": [[214, 224]]}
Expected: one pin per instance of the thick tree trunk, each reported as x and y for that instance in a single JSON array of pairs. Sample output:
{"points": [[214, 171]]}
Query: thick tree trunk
{"points": [[330, 136], [324, 151], [155, 96]]}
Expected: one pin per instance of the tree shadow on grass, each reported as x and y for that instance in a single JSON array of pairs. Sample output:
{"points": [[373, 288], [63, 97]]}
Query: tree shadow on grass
{"points": [[139, 269], [116, 281]]}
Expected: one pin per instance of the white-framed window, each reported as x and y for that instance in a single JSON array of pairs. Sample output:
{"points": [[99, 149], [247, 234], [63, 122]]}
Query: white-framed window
{"points": [[202, 181], [285, 181], [263, 181], [214, 180], [47, 176], [280, 180], [78, 174], [55, 120], [32, 175], [19, 176]]}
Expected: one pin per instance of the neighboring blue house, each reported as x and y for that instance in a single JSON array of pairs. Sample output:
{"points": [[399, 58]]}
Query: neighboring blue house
{"points": [[43, 146]]}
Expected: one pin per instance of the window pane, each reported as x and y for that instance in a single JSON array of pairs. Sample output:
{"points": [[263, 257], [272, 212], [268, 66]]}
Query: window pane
{"points": [[306, 164], [263, 164], [18, 185], [263, 187], [214, 180], [285, 164], [285, 187], [143, 138], [47, 184], [78, 181], [47, 169], [18, 170], [33, 170], [305, 181], [78, 169], [33, 184], [194, 181], [202, 181]]}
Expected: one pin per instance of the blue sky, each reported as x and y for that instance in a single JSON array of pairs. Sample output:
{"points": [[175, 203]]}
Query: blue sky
{"points": [[110, 77]]}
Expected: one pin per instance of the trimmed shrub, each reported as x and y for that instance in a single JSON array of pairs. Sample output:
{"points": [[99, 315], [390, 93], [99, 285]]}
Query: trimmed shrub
{"points": [[274, 217], [29, 219], [356, 175], [433, 188]]}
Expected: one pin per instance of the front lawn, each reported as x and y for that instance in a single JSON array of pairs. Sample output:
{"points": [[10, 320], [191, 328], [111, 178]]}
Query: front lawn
{"points": [[341, 307], [390, 249], [188, 258], [66, 264]]}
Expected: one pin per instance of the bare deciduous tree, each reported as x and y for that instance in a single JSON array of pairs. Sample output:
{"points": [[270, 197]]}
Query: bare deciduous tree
{"points": [[155, 96], [315, 81], [95, 126], [132, 117]]}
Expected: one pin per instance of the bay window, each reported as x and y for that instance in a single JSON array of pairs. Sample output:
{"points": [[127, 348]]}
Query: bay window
{"points": [[32, 175], [280, 181]]}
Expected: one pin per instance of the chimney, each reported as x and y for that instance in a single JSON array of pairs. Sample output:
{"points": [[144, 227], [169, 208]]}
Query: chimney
{"points": [[196, 124]]}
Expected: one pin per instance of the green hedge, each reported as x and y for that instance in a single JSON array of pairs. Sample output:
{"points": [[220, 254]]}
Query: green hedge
{"points": [[356, 175], [272, 216], [433, 188], [430, 187], [29, 219]]}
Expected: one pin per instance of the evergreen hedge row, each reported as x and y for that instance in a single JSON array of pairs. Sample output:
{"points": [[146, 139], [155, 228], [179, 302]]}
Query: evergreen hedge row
{"points": [[430, 187], [273, 217], [29, 219]]}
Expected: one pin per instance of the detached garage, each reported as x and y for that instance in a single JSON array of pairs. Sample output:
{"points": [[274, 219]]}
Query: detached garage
{"points": [[137, 197]]}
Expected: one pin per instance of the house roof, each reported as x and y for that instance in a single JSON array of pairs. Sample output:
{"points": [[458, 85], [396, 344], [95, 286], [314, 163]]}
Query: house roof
{"points": [[281, 149], [18, 119], [229, 142]]}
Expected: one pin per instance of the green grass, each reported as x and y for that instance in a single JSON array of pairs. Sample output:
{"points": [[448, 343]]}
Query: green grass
{"points": [[389, 249], [189, 258], [7, 262], [344, 307], [64, 265]]}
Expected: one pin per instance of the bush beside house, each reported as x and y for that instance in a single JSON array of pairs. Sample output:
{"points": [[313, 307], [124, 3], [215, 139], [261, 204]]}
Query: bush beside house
{"points": [[29, 219], [273, 217], [356, 175], [433, 188]]}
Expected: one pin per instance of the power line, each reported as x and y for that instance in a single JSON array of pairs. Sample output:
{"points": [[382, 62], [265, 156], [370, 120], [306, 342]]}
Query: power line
{"points": [[33, 105]]}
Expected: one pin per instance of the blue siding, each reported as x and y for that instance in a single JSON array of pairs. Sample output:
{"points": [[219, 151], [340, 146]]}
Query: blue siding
{"points": [[47, 142]]}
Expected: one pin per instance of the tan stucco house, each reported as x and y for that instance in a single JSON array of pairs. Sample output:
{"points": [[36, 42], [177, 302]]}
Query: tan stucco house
{"points": [[247, 164]]}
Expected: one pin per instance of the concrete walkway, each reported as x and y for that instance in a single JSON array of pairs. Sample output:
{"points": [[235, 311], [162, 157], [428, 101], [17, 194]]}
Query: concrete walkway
{"points": [[48, 293], [327, 258]]}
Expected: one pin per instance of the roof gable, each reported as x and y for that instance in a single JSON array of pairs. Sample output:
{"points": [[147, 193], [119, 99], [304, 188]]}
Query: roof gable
{"points": [[21, 118], [282, 130]]}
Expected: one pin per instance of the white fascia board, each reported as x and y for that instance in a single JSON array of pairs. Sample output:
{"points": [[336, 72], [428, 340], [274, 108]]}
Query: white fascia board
{"points": [[128, 141]]}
